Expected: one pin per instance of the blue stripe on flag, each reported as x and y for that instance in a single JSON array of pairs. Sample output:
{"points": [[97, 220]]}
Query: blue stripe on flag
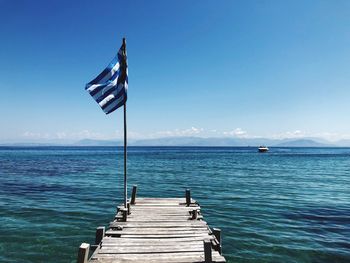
{"points": [[101, 87], [105, 71], [109, 91]]}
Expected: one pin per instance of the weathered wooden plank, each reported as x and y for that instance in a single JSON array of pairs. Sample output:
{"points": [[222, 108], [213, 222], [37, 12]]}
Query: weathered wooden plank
{"points": [[150, 199], [173, 208], [191, 223], [145, 244], [215, 255], [150, 249], [156, 221], [145, 231], [164, 236], [130, 240], [160, 241], [164, 225], [155, 213], [182, 257], [164, 204], [136, 215], [161, 230], [159, 199]]}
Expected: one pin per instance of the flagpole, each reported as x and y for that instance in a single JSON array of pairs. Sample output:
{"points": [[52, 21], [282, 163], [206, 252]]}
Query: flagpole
{"points": [[125, 146], [125, 155]]}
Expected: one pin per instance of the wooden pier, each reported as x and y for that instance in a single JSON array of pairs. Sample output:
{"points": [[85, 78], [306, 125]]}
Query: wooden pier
{"points": [[153, 230]]}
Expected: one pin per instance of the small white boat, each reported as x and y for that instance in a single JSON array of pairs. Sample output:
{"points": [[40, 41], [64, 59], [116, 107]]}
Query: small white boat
{"points": [[263, 149]]}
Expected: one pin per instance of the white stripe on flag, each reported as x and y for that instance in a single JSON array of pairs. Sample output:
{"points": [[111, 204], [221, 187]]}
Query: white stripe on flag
{"points": [[111, 96], [106, 89], [93, 87], [113, 104]]}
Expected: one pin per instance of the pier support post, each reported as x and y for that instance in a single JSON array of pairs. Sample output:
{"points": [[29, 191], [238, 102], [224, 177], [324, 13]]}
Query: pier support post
{"points": [[217, 234], [188, 197], [128, 206], [133, 194], [100, 233], [194, 214], [207, 251], [124, 212], [83, 253]]}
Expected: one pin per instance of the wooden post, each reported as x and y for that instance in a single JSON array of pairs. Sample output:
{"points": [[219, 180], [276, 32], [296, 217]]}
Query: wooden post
{"points": [[217, 234], [188, 197], [124, 212], [129, 208], [83, 253], [100, 233], [194, 214], [133, 195], [207, 251]]}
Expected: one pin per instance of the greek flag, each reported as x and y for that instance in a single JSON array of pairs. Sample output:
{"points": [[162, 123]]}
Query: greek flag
{"points": [[109, 89]]}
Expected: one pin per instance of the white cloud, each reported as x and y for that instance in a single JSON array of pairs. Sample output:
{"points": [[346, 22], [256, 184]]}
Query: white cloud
{"points": [[193, 131], [84, 134], [36, 135], [31, 134], [61, 135], [238, 132], [331, 136], [290, 135]]}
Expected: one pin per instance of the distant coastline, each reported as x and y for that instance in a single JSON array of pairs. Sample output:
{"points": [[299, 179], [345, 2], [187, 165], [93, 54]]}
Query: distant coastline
{"points": [[194, 142]]}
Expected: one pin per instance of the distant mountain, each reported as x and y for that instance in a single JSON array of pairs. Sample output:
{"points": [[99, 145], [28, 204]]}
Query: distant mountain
{"points": [[302, 143], [187, 141], [180, 141], [29, 144], [198, 141], [343, 143], [89, 142]]}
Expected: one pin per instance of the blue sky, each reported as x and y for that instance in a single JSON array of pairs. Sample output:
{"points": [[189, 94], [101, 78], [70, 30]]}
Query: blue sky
{"points": [[201, 68]]}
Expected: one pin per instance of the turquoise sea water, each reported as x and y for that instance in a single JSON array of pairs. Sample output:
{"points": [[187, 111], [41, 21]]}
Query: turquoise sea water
{"points": [[289, 205]]}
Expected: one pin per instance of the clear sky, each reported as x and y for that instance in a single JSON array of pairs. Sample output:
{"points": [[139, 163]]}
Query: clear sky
{"points": [[203, 68]]}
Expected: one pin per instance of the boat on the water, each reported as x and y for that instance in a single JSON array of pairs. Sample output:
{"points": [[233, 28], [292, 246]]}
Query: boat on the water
{"points": [[263, 149]]}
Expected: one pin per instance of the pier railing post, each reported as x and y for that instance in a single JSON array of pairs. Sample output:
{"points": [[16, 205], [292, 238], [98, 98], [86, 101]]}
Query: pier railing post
{"points": [[124, 212], [207, 251], [83, 253], [194, 214], [100, 233], [217, 234], [188, 197], [133, 194], [129, 208]]}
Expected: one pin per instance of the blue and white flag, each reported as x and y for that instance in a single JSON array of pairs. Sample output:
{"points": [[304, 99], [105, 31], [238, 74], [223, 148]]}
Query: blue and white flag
{"points": [[109, 89]]}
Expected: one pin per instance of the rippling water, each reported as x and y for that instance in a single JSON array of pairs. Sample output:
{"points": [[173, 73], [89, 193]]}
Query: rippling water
{"points": [[289, 205]]}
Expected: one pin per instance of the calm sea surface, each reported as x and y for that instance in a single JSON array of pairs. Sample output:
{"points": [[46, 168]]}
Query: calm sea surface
{"points": [[288, 205]]}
